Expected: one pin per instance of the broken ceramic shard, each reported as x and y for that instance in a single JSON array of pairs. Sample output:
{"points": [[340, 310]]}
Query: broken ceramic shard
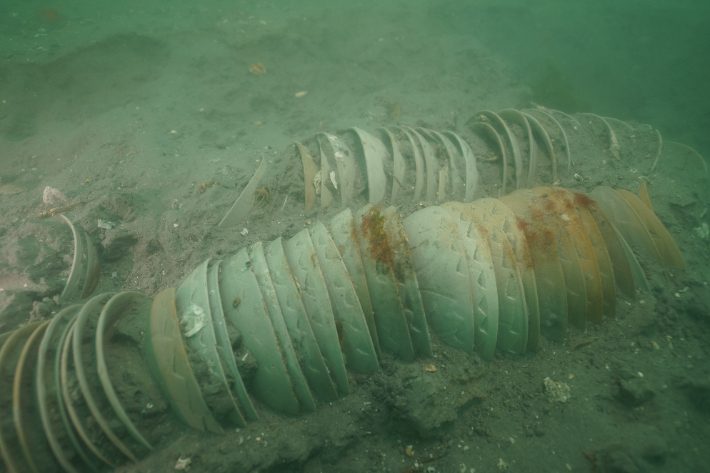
{"points": [[245, 202]]}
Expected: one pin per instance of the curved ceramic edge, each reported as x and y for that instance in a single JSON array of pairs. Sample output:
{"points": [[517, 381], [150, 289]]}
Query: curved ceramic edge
{"points": [[8, 450], [346, 166], [326, 197], [431, 167], [111, 312], [508, 225], [309, 173], [78, 435], [639, 276], [613, 142], [297, 323], [565, 141], [542, 242], [443, 276], [482, 280], [512, 309], [419, 167], [23, 373], [85, 266], [91, 308], [629, 225], [564, 214], [48, 403], [699, 160], [495, 118], [606, 271], [667, 247], [271, 382], [93, 268], [306, 403], [469, 158], [570, 118], [374, 153], [621, 265], [72, 291], [492, 133], [356, 343], [223, 343], [64, 348], [192, 304], [451, 171], [390, 320], [304, 265], [344, 235], [399, 167], [407, 285], [170, 366], [542, 135], [456, 161], [519, 119]]}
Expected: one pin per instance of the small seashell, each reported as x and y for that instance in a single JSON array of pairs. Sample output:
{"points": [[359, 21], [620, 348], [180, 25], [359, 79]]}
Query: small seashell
{"points": [[52, 196]]}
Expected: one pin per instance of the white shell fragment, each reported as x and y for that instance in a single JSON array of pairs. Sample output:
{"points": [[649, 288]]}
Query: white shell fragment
{"points": [[332, 179], [53, 196], [556, 392], [317, 181], [183, 463], [193, 320], [106, 224]]}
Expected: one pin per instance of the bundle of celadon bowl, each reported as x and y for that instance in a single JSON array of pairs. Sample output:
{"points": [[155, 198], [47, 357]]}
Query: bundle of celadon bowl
{"points": [[491, 274], [281, 323], [513, 149]]}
